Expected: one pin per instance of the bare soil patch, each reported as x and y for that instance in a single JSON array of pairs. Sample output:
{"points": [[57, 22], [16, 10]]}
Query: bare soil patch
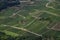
{"points": [[56, 27]]}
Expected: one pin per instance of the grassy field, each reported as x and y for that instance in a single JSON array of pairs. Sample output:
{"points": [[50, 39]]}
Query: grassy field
{"points": [[36, 19]]}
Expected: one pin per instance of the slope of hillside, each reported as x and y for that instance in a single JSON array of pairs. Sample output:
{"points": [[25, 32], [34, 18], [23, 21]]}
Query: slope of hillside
{"points": [[37, 21]]}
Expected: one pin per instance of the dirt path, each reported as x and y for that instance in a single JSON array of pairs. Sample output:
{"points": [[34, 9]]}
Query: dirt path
{"points": [[52, 8], [34, 19], [49, 6], [23, 29], [55, 27], [21, 16], [51, 13], [30, 22], [15, 13]]}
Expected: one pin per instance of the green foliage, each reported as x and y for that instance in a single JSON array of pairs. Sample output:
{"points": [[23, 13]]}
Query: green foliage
{"points": [[4, 36]]}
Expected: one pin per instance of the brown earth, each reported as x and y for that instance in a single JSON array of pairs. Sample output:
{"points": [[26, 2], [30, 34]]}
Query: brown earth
{"points": [[56, 27]]}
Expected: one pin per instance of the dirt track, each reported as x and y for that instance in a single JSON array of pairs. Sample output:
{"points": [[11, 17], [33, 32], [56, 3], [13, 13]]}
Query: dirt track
{"points": [[23, 29]]}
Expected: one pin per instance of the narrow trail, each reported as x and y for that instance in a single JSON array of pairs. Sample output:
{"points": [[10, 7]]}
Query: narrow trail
{"points": [[23, 29], [30, 22], [51, 13], [15, 13], [55, 25], [52, 8], [49, 6], [52, 28], [21, 16], [33, 20], [18, 14]]}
